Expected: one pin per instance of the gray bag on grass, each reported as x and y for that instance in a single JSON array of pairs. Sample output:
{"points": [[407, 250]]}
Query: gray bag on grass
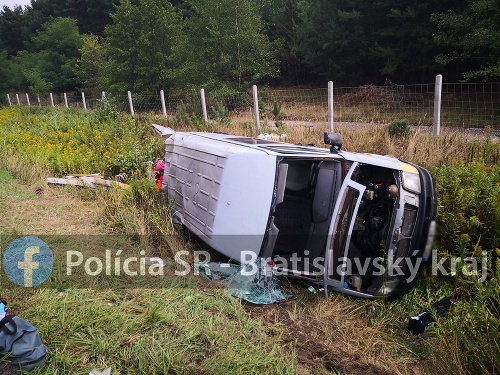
{"points": [[20, 342]]}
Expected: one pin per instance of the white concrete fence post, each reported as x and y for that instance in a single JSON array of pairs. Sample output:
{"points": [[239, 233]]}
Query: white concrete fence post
{"points": [[163, 105], [28, 100], [204, 106], [130, 103], [84, 102], [17, 97], [256, 108], [330, 106], [51, 99], [66, 100], [437, 105], [8, 99]]}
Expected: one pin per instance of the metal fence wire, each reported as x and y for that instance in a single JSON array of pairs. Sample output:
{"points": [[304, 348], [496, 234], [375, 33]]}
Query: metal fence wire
{"points": [[462, 104]]}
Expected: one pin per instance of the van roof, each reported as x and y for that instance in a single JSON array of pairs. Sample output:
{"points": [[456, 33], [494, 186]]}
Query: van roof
{"points": [[293, 150]]}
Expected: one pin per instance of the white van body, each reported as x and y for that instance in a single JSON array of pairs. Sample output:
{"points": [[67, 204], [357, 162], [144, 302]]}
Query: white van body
{"points": [[336, 218]]}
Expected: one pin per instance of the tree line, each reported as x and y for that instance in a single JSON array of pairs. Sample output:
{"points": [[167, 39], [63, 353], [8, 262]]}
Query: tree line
{"points": [[147, 45]]}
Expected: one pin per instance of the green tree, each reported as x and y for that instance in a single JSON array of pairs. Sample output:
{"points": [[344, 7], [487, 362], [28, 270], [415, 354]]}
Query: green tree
{"points": [[472, 36], [37, 85], [141, 40], [91, 15], [280, 18], [5, 74], [355, 41], [94, 15], [225, 44], [23, 61], [93, 66], [335, 39], [13, 32], [404, 48], [52, 63], [58, 48]]}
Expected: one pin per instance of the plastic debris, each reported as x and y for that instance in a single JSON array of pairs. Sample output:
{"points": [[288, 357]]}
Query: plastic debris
{"points": [[420, 323], [4, 311], [121, 177], [97, 372], [254, 282], [272, 137], [148, 261]]}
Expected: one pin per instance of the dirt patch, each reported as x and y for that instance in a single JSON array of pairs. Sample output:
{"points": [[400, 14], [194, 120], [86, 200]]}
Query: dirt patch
{"points": [[315, 353], [50, 211]]}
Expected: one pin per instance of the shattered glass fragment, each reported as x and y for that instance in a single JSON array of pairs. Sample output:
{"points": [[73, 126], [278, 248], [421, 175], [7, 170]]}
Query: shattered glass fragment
{"points": [[254, 282]]}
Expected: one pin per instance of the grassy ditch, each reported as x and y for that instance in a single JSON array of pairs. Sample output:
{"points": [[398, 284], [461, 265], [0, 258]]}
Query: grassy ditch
{"points": [[184, 325]]}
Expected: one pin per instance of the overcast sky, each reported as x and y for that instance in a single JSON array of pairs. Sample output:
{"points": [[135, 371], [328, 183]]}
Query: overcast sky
{"points": [[12, 3]]}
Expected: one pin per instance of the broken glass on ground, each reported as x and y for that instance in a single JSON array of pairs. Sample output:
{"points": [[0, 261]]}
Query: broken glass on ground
{"points": [[254, 282]]}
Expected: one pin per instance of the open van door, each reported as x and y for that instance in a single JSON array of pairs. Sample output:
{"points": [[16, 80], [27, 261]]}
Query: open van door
{"points": [[340, 232]]}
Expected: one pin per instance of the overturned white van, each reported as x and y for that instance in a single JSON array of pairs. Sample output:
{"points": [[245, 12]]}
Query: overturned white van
{"points": [[361, 224]]}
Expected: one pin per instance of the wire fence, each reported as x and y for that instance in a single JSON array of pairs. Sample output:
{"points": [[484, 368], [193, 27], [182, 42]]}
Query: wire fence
{"points": [[466, 105]]}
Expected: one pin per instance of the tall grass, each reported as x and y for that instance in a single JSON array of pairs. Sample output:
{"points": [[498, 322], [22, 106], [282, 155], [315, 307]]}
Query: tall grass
{"points": [[68, 141], [419, 146], [181, 328]]}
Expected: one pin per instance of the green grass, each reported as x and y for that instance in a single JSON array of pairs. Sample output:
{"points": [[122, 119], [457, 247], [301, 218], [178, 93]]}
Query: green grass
{"points": [[176, 329], [10, 187], [135, 325]]}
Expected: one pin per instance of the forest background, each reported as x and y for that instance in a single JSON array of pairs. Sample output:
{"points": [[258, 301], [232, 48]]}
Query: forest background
{"points": [[149, 45]]}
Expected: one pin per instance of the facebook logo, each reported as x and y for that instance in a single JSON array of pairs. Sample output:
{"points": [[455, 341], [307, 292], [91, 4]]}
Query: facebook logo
{"points": [[28, 261]]}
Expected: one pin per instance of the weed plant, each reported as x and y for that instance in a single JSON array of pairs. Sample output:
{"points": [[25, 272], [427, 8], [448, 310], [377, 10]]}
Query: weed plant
{"points": [[399, 128]]}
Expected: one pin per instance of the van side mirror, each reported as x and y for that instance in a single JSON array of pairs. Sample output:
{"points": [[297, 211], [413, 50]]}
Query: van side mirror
{"points": [[333, 139]]}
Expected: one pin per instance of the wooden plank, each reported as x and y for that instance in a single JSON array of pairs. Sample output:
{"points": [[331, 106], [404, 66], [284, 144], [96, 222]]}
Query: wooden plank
{"points": [[96, 175], [69, 181], [110, 183], [87, 181]]}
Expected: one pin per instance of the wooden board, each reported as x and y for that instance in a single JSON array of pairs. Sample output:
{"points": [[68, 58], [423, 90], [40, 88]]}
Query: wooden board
{"points": [[86, 181]]}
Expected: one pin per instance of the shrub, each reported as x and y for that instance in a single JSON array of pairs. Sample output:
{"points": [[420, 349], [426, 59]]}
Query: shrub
{"points": [[469, 208], [184, 119], [468, 217], [219, 111], [399, 128], [231, 98], [134, 161], [106, 110]]}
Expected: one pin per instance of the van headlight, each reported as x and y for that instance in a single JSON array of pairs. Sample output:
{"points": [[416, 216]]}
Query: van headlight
{"points": [[411, 182], [385, 289]]}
